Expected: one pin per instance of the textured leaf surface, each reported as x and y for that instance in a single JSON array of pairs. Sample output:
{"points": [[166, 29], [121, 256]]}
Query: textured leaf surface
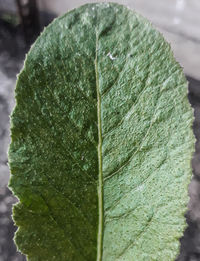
{"points": [[101, 141]]}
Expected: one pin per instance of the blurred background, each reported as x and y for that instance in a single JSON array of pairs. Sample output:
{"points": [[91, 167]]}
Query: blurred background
{"points": [[21, 21]]}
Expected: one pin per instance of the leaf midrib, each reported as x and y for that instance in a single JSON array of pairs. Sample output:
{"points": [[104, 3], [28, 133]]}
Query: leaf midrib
{"points": [[100, 180]]}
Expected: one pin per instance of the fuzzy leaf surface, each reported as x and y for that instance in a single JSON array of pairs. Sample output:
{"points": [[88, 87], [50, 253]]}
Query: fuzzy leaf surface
{"points": [[101, 141]]}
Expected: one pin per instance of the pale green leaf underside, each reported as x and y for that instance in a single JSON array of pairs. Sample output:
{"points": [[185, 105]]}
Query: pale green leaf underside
{"points": [[101, 141]]}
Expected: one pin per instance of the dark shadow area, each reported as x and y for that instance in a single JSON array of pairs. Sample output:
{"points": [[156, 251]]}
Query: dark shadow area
{"points": [[190, 243]]}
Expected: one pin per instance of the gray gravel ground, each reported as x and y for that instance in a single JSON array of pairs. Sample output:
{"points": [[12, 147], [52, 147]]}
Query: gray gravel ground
{"points": [[12, 50]]}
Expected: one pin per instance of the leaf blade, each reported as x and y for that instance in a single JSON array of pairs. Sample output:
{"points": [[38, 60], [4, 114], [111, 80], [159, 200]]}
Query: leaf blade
{"points": [[107, 104]]}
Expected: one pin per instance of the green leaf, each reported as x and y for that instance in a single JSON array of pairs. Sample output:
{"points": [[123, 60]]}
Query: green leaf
{"points": [[101, 141]]}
